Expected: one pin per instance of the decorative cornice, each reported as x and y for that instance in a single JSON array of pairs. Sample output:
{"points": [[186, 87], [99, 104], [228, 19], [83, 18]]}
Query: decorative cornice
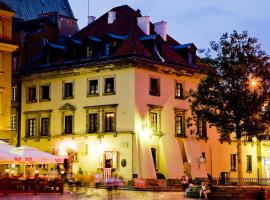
{"points": [[37, 112], [67, 106]]}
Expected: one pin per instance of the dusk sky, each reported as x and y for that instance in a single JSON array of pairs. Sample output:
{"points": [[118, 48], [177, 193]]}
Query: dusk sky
{"points": [[197, 21]]}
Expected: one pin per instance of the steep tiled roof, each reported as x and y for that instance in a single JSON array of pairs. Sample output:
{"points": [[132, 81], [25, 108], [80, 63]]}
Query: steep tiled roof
{"points": [[126, 24], [31, 9]]}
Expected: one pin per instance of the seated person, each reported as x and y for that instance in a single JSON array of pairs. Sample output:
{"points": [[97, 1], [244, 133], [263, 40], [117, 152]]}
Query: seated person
{"points": [[204, 190]]}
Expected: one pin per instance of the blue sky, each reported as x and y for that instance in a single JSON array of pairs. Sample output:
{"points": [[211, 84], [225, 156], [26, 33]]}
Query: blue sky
{"points": [[198, 21]]}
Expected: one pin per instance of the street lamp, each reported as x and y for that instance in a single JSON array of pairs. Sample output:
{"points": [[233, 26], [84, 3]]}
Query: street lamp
{"points": [[254, 83]]}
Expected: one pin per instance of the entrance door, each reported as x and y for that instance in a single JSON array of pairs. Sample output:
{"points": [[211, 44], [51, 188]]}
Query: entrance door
{"points": [[154, 156], [108, 164]]}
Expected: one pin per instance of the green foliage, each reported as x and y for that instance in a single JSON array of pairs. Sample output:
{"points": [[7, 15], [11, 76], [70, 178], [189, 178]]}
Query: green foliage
{"points": [[226, 98]]}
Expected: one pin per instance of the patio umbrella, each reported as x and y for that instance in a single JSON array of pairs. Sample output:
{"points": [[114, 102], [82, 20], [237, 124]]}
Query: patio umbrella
{"points": [[34, 156], [5, 146], [8, 158]]}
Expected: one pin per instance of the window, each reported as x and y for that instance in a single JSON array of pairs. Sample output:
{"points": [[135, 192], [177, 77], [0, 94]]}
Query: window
{"points": [[13, 122], [31, 127], [93, 87], [201, 128], [154, 121], [109, 122], [179, 91], [249, 163], [233, 162], [154, 87], [1, 30], [180, 125], [45, 126], [1, 102], [68, 124], [89, 51], [14, 93], [1, 62], [15, 63], [45, 92], [93, 123], [31, 94], [109, 86], [68, 90], [191, 58]]}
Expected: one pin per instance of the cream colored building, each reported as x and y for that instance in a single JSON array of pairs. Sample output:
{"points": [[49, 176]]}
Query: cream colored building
{"points": [[118, 103], [6, 48]]}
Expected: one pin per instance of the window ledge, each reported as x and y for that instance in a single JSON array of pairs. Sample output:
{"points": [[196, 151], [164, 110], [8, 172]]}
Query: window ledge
{"points": [[31, 101], [180, 136], [180, 98], [1, 72], [108, 93], [93, 95], [154, 94], [45, 100], [66, 98], [249, 171]]}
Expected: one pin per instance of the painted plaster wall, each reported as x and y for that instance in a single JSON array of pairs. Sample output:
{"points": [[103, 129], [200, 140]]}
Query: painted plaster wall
{"points": [[170, 158]]}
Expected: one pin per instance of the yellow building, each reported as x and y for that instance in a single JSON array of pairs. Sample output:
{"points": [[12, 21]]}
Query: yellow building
{"points": [[113, 98], [6, 48]]}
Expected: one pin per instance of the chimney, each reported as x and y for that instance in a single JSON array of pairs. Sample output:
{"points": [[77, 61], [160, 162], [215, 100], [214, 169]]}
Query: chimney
{"points": [[161, 29], [144, 24], [91, 19], [111, 17]]}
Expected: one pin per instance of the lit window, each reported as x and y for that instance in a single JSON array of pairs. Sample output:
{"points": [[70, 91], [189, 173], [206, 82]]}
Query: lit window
{"points": [[110, 122], [154, 121], [31, 127], [68, 124], [93, 123], [1, 62], [154, 87], [109, 86], [13, 122], [45, 126], [249, 163], [179, 91], [89, 51], [31, 94], [68, 90], [45, 92], [14, 93], [233, 162], [93, 87], [201, 127], [180, 125]]}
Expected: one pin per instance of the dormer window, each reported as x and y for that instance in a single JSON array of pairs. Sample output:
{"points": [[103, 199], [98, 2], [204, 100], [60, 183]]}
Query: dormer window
{"points": [[89, 51], [191, 58]]}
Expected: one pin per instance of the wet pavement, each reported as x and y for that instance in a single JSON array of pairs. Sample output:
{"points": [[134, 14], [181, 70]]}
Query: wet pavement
{"points": [[100, 194]]}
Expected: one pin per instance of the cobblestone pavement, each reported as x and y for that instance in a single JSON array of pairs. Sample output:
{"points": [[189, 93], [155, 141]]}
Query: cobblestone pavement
{"points": [[100, 194]]}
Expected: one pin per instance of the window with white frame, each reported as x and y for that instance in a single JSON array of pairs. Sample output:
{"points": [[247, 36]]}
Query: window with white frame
{"points": [[14, 93], [31, 127], [1, 62], [13, 122]]}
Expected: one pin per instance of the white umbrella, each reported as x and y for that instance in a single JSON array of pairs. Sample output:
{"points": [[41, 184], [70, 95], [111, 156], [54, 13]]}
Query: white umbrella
{"points": [[7, 158], [5, 146], [33, 155]]}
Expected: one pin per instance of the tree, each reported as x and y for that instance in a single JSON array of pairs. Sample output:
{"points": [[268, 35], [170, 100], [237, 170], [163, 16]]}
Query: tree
{"points": [[234, 95]]}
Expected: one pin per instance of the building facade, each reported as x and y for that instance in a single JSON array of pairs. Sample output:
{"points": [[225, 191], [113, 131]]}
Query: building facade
{"points": [[6, 49], [114, 98]]}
